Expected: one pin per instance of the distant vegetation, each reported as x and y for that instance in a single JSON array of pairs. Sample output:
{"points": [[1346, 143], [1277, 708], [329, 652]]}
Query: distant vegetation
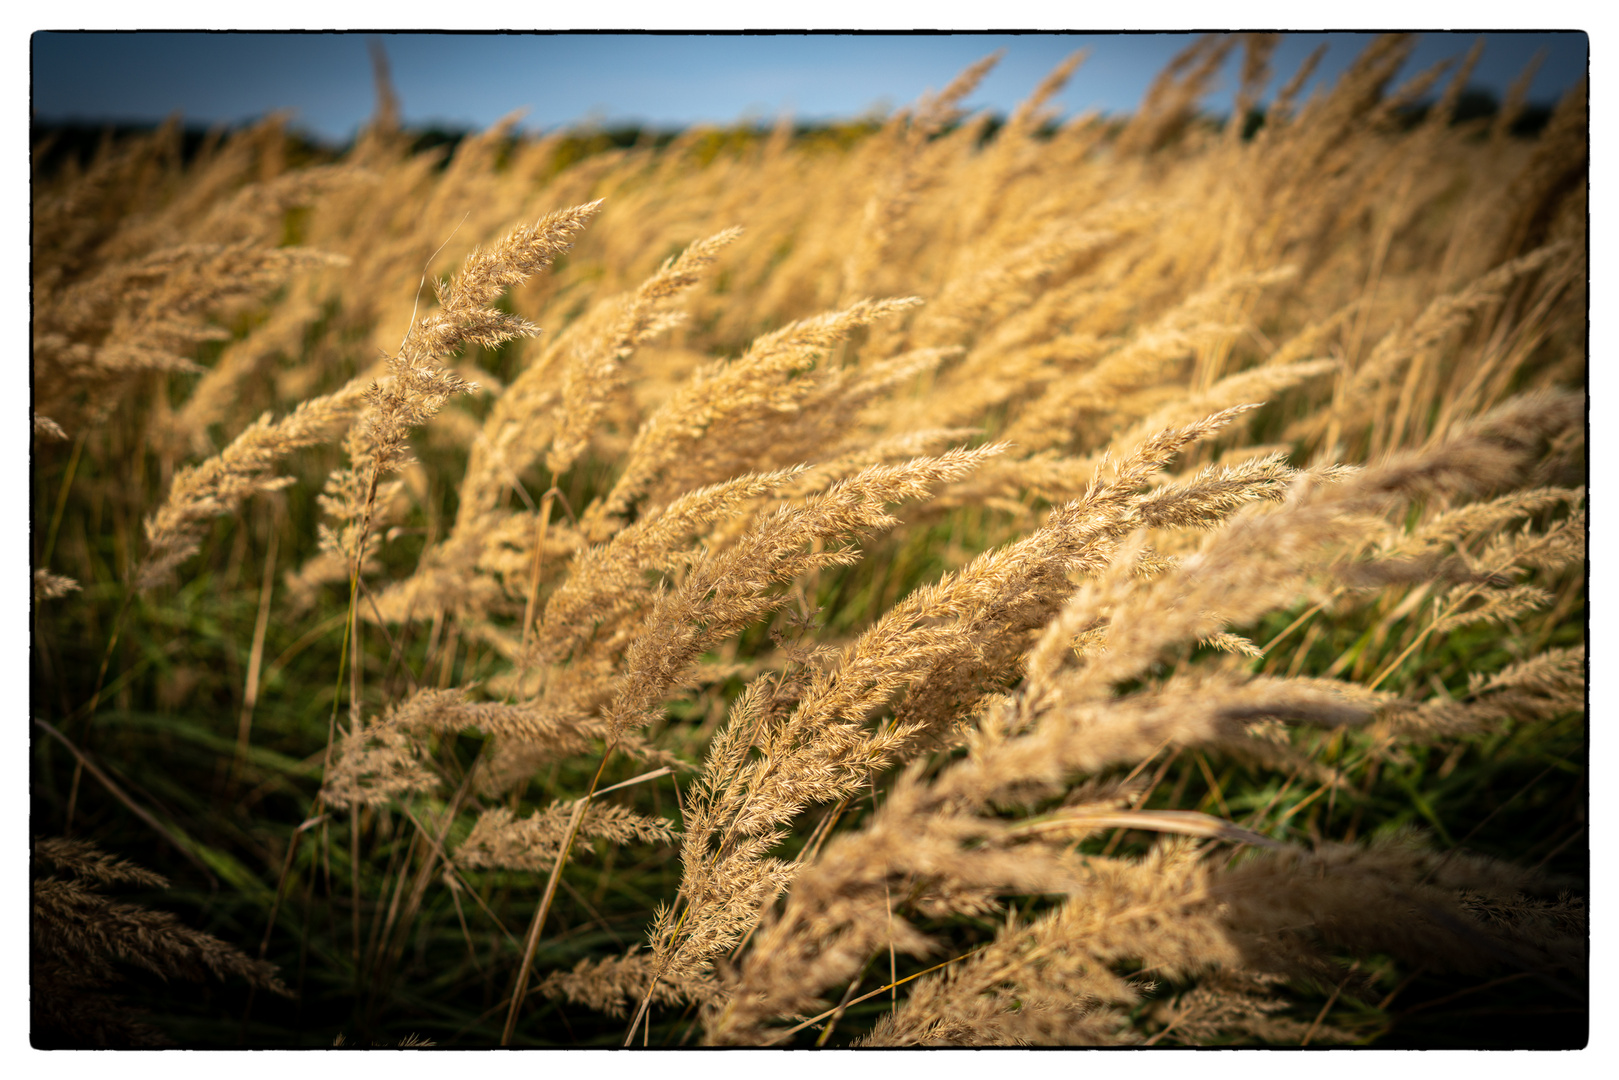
{"points": [[56, 143]]}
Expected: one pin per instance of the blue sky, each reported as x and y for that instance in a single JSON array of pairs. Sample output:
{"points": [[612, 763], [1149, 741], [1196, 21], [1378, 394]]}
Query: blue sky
{"points": [[664, 80]]}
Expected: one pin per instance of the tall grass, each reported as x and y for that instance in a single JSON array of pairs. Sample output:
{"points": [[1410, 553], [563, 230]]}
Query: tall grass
{"points": [[1082, 583]]}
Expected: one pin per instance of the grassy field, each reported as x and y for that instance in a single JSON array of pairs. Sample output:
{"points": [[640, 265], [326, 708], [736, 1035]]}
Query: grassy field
{"points": [[951, 581]]}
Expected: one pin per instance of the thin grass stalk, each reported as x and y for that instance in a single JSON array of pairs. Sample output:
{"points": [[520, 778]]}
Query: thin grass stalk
{"points": [[424, 875], [789, 1032], [533, 940], [261, 626], [61, 499]]}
